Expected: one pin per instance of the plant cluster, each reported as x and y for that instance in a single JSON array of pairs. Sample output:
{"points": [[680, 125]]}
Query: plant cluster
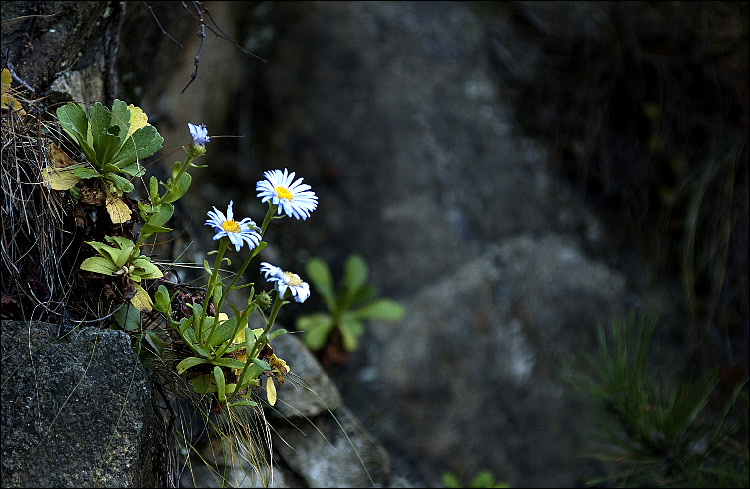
{"points": [[224, 357], [201, 345]]}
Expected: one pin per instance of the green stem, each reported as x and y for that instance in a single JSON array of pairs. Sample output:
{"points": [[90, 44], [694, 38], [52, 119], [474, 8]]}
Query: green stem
{"points": [[223, 244], [238, 275], [241, 324], [263, 339], [158, 199], [269, 215]]}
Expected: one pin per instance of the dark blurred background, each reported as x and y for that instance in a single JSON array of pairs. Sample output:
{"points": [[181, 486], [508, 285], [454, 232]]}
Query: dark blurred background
{"points": [[514, 173]]}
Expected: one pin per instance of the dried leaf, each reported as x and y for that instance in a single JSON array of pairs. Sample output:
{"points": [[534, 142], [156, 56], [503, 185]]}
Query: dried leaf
{"points": [[59, 157], [91, 194], [118, 210], [8, 101], [59, 179]]}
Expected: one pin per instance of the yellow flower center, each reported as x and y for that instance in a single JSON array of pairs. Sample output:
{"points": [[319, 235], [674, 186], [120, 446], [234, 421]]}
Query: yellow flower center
{"points": [[294, 279], [284, 193], [230, 226]]}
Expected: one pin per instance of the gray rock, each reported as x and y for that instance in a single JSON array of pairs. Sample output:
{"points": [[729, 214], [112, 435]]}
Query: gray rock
{"points": [[294, 399], [333, 450], [76, 411]]}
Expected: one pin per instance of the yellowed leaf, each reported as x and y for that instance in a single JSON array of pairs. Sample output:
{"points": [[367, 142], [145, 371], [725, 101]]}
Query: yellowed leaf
{"points": [[271, 392], [118, 210], [141, 300], [5, 80], [58, 179], [138, 119], [8, 101], [242, 357]]}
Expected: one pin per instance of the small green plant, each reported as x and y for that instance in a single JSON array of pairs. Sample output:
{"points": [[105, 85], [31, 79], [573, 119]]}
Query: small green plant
{"points": [[660, 436], [484, 478], [113, 142], [349, 306]]}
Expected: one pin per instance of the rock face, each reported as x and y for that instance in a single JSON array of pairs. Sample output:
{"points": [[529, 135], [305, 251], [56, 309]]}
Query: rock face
{"points": [[76, 411]]}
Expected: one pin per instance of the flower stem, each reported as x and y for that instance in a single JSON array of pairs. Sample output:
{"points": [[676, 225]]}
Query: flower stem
{"points": [[263, 338], [271, 211], [223, 244]]}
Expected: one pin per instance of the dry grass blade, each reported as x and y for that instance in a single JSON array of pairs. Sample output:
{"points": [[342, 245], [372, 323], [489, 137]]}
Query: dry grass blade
{"points": [[33, 238]]}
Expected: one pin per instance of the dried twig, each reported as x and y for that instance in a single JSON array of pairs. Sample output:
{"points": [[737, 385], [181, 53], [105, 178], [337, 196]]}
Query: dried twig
{"points": [[159, 24], [202, 33], [200, 8]]}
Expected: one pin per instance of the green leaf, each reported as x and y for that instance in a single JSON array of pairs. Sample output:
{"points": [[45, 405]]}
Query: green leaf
{"points": [[155, 342], [185, 323], [189, 362], [141, 144], [252, 373], [317, 327], [307, 322], [121, 183], [450, 480], [161, 214], [243, 403], [383, 309], [162, 300], [227, 362], [85, 172], [351, 330], [276, 333], [260, 363], [73, 120], [134, 170], [153, 189], [105, 250], [99, 264], [120, 241], [203, 384], [121, 116], [149, 269], [219, 377], [175, 190], [355, 274], [124, 255], [483, 479], [222, 332], [364, 293], [128, 318], [320, 276], [107, 137], [149, 229]]}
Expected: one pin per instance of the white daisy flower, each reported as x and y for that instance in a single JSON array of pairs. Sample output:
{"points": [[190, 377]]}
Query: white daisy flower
{"points": [[286, 281], [199, 134], [244, 231], [294, 199]]}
